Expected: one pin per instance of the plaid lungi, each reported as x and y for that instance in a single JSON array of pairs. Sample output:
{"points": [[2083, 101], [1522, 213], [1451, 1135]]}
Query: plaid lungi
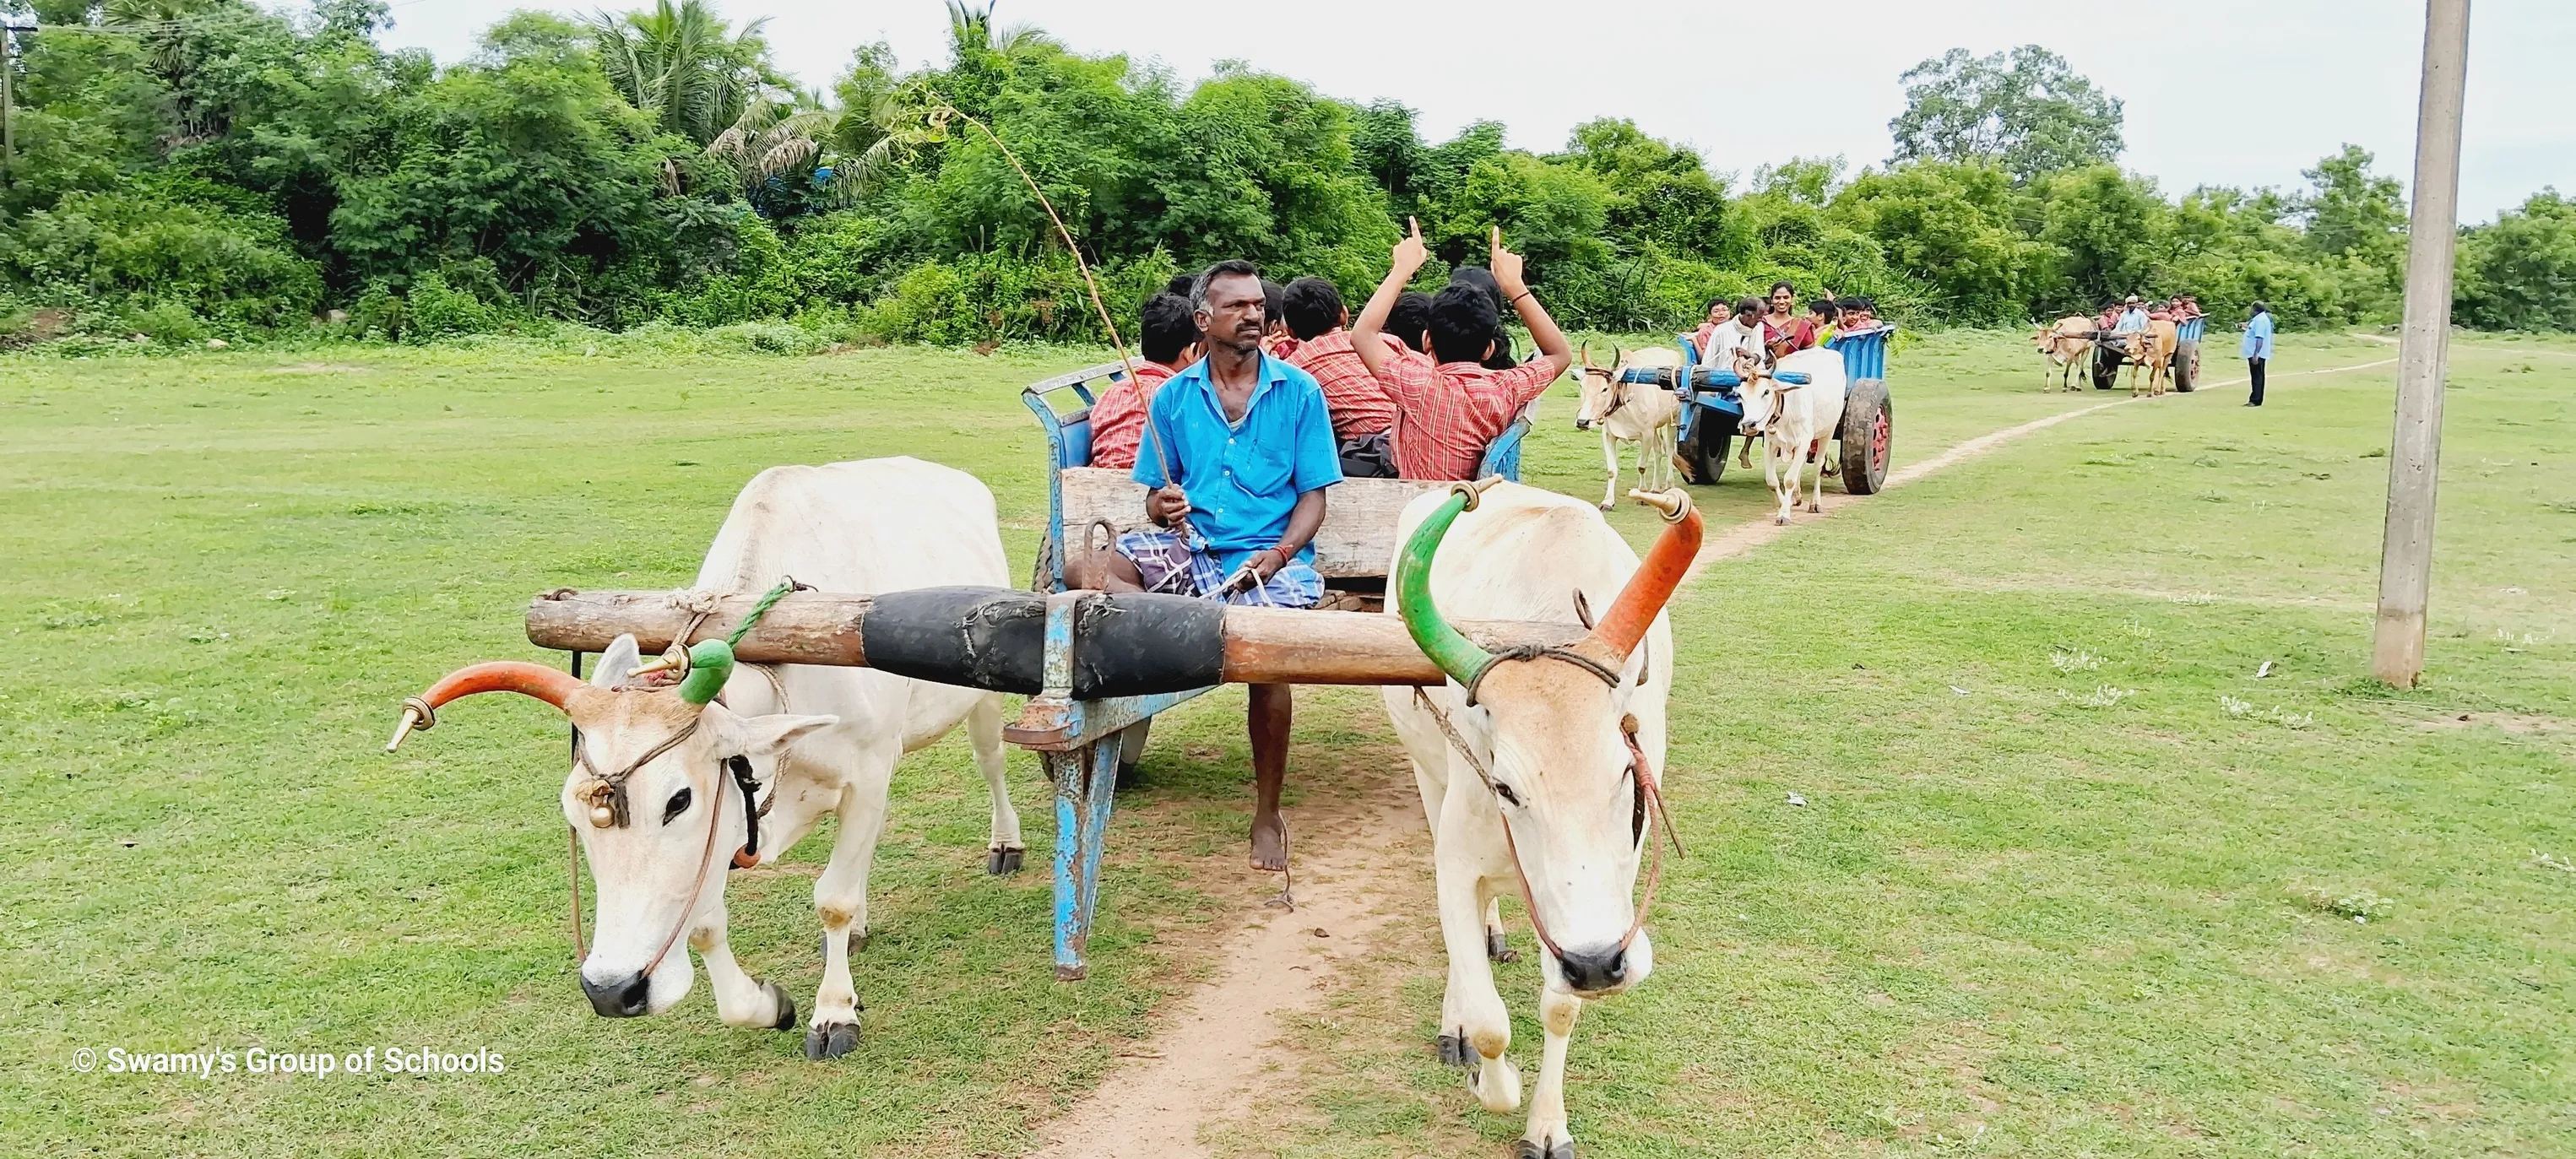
{"points": [[1175, 568]]}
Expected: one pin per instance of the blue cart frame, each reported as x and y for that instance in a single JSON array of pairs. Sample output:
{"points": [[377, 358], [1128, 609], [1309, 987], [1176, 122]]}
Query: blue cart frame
{"points": [[1081, 743]]}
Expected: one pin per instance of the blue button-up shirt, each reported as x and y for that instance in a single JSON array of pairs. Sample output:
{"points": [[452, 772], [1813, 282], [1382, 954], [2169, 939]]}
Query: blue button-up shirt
{"points": [[2258, 338], [1243, 477], [2132, 320]]}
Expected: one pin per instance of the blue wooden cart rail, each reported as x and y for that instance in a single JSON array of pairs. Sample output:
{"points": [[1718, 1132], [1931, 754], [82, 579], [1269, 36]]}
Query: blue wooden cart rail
{"points": [[1080, 742], [2191, 331]]}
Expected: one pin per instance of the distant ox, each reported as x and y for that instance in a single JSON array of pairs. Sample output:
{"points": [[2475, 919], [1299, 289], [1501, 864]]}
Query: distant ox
{"points": [[1539, 769], [667, 774], [1647, 414], [2064, 343]]}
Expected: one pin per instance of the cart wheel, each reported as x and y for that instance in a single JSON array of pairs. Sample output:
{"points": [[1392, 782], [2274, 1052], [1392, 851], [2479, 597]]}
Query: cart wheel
{"points": [[1869, 426], [2106, 371], [1708, 456], [2185, 370]]}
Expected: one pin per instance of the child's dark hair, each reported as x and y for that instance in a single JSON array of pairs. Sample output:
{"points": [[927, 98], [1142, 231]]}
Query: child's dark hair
{"points": [[1825, 306], [1169, 328], [1462, 323], [1408, 318], [1273, 295], [1313, 306]]}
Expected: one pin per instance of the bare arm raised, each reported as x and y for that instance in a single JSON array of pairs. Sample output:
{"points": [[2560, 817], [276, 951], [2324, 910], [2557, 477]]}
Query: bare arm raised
{"points": [[1507, 274], [1407, 260]]}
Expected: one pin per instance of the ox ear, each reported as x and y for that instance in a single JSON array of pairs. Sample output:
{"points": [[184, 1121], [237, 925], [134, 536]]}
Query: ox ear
{"points": [[617, 663], [762, 736]]}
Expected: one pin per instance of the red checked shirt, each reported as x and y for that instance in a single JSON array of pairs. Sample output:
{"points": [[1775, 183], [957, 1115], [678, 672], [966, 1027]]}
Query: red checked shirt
{"points": [[1447, 415], [1118, 419], [1358, 401]]}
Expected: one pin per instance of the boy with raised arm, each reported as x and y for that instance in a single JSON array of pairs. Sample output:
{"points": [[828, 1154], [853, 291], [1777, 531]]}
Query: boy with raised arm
{"points": [[1448, 407]]}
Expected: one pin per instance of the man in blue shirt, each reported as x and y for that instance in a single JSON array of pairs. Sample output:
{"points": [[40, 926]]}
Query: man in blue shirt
{"points": [[2256, 349], [1237, 494]]}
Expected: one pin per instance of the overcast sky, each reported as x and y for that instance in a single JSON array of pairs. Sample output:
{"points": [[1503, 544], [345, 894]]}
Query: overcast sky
{"points": [[2243, 93]]}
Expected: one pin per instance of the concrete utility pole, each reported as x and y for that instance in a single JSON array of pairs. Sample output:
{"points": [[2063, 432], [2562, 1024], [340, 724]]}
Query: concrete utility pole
{"points": [[2423, 353], [8, 102]]}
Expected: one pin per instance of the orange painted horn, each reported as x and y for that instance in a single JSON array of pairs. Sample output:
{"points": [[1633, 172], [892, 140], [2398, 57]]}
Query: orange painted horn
{"points": [[546, 684], [1652, 585]]}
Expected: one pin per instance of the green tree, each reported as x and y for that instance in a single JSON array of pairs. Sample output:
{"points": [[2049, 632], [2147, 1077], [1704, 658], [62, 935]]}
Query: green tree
{"points": [[2520, 272], [1952, 227], [683, 66], [2356, 224], [2026, 111], [2105, 231]]}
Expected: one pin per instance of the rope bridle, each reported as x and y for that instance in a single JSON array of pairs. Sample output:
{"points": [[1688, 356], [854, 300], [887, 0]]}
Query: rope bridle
{"points": [[1648, 781]]}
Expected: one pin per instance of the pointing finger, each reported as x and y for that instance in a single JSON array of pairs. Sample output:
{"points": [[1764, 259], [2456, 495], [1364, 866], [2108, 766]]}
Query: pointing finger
{"points": [[1416, 225]]}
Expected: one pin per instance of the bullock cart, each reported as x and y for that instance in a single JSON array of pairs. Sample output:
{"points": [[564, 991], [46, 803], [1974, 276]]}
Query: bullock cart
{"points": [[1712, 411], [2108, 357], [1096, 667]]}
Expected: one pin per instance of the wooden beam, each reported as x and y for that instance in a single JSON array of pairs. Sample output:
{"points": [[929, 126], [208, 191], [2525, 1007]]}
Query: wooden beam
{"points": [[805, 627], [1262, 645], [1278, 646]]}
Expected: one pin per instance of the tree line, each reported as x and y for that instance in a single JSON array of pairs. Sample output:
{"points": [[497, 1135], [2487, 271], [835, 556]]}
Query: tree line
{"points": [[191, 168]]}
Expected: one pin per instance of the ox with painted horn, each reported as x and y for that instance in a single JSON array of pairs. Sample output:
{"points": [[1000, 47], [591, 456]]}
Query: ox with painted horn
{"points": [[692, 763], [1538, 766]]}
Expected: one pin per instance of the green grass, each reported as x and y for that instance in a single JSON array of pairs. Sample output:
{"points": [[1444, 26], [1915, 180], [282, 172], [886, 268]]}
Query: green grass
{"points": [[2085, 929]]}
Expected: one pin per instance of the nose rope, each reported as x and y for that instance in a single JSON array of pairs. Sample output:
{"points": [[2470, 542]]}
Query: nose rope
{"points": [[1648, 790]]}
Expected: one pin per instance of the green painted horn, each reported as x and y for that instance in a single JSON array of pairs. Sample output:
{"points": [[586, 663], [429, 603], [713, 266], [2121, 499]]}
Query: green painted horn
{"points": [[710, 665], [1447, 647]]}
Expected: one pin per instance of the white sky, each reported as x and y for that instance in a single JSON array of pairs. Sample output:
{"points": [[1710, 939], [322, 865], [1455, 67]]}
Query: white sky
{"points": [[2239, 93]]}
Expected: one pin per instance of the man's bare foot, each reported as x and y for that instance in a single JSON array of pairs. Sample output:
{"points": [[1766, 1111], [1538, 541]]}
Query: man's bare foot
{"points": [[1270, 843]]}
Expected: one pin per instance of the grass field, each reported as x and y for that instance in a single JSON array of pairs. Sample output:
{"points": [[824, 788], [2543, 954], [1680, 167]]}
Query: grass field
{"points": [[2070, 879]]}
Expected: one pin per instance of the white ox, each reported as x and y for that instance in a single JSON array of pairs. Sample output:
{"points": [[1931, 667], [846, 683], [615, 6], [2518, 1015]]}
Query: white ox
{"points": [[1632, 412], [1572, 760], [659, 824], [1792, 419]]}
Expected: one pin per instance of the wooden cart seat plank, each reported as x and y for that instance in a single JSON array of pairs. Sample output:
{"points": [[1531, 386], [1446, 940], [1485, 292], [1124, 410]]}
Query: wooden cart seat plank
{"points": [[1356, 541]]}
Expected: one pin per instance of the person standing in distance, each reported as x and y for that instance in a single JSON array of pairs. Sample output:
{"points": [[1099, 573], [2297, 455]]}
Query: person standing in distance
{"points": [[2256, 349]]}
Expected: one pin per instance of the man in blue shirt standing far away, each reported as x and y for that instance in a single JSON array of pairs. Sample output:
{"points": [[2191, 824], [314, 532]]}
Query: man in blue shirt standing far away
{"points": [[1237, 493]]}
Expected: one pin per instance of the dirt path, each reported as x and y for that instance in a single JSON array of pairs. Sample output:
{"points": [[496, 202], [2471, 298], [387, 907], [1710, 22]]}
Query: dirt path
{"points": [[1214, 1050]]}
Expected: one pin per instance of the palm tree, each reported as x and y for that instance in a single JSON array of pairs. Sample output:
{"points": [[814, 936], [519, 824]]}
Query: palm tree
{"points": [[971, 29], [683, 66]]}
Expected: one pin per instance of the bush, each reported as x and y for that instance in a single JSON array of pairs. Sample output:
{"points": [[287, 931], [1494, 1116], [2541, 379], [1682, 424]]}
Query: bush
{"points": [[226, 265], [435, 310]]}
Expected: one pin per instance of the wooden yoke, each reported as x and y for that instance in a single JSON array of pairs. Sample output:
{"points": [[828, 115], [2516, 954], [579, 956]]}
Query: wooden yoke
{"points": [[1262, 645]]}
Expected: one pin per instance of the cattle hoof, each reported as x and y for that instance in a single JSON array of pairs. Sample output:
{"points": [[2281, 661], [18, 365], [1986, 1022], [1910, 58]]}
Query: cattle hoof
{"points": [[786, 1019], [1003, 861], [1529, 1150], [1815, 509], [1454, 1051], [830, 1041], [1498, 949], [1782, 520]]}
